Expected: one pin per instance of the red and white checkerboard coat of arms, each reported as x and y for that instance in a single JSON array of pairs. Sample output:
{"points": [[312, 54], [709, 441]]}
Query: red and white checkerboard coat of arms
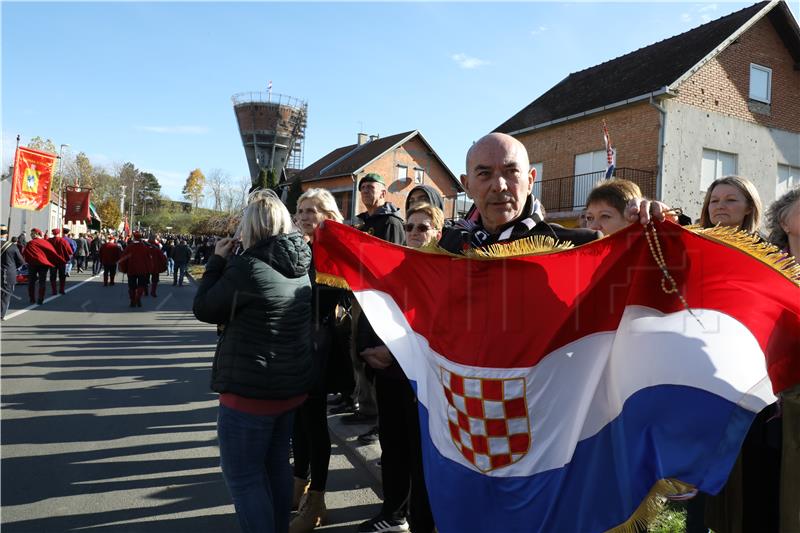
{"points": [[488, 419]]}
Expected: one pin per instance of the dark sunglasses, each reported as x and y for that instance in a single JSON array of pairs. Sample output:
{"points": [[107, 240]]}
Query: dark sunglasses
{"points": [[422, 228]]}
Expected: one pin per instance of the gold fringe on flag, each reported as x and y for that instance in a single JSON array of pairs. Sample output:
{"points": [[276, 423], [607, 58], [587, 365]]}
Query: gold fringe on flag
{"points": [[534, 245], [332, 281], [652, 505], [755, 247]]}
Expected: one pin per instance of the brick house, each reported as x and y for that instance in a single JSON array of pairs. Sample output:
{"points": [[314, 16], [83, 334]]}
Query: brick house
{"points": [[405, 160], [722, 98]]}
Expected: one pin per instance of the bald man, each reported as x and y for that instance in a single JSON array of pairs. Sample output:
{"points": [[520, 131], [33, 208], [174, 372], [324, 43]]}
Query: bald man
{"points": [[499, 180]]}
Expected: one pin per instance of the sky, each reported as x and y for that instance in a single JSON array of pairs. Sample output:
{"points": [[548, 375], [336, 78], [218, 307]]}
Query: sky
{"points": [[151, 82]]}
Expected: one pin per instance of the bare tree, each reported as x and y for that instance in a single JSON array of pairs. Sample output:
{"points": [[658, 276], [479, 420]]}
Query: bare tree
{"points": [[217, 181], [242, 188]]}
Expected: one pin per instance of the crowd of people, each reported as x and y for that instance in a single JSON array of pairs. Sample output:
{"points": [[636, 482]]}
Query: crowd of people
{"points": [[275, 380], [35, 257], [275, 384]]}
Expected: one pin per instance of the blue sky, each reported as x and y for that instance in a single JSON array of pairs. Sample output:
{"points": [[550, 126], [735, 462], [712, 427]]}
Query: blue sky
{"points": [[151, 82]]}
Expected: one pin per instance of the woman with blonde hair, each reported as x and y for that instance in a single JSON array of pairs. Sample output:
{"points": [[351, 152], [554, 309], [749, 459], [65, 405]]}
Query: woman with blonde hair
{"points": [[732, 201], [262, 367], [311, 442]]}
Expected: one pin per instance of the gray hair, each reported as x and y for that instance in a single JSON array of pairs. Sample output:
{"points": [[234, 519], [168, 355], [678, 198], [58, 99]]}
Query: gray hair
{"points": [[265, 216], [324, 201], [777, 214]]}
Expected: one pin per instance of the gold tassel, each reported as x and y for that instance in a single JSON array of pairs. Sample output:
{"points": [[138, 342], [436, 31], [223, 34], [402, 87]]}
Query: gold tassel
{"points": [[332, 281], [651, 505], [534, 245], [755, 247]]}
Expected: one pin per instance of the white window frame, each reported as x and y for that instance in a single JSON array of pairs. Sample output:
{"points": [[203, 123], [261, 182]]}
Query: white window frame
{"points": [[718, 171], [791, 180], [404, 170], [768, 72], [419, 175]]}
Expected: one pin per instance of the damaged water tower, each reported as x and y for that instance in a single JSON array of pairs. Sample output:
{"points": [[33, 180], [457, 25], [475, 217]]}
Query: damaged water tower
{"points": [[272, 127]]}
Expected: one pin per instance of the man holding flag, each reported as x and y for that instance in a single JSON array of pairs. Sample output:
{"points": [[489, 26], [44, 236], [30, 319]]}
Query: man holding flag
{"points": [[567, 391]]}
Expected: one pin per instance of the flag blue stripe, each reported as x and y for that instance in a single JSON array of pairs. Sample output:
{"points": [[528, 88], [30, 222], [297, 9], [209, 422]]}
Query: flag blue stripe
{"points": [[665, 431]]}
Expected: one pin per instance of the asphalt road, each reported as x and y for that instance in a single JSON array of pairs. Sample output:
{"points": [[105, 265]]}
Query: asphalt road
{"points": [[108, 422]]}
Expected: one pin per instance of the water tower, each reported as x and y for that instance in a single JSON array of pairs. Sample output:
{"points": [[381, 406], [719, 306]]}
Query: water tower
{"points": [[272, 127]]}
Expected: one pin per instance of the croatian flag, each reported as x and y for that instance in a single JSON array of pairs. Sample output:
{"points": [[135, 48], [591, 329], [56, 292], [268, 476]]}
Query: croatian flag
{"points": [[556, 390], [611, 153]]}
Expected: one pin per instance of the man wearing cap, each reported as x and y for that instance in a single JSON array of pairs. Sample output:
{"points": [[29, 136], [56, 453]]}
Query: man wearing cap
{"points": [[136, 262], [64, 250], [41, 257], [382, 220], [11, 261]]}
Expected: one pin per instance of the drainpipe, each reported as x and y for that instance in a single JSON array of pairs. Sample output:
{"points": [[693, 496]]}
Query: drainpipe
{"points": [[662, 132], [354, 200]]}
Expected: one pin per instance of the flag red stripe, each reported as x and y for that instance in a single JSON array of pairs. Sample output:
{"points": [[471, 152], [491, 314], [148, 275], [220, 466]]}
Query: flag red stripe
{"points": [[537, 304]]}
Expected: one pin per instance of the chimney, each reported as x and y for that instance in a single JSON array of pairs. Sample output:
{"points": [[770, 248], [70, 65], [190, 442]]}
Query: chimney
{"points": [[373, 137], [362, 138]]}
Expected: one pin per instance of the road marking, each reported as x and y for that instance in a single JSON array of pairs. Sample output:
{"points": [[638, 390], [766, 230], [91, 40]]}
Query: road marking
{"points": [[49, 298], [165, 300]]}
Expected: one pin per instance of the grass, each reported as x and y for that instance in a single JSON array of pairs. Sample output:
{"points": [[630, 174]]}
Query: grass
{"points": [[671, 520]]}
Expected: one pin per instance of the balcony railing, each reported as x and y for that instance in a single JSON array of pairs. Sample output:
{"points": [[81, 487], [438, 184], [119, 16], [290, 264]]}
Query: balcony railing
{"points": [[570, 192]]}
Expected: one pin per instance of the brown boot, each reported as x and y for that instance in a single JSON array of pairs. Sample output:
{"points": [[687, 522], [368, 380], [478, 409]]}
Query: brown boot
{"points": [[312, 513], [300, 488]]}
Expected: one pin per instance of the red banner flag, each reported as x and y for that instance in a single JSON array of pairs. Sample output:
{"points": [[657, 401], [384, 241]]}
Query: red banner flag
{"points": [[33, 171], [77, 205]]}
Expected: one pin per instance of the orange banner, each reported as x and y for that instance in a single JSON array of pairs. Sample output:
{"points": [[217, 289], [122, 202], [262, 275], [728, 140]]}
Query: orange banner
{"points": [[33, 172]]}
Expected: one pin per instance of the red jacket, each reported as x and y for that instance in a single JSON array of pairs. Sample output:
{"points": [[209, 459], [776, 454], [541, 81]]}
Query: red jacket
{"points": [[39, 252], [110, 253], [158, 260], [137, 260], [61, 247]]}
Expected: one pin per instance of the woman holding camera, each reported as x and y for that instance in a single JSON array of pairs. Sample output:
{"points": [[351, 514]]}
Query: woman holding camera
{"points": [[262, 366]]}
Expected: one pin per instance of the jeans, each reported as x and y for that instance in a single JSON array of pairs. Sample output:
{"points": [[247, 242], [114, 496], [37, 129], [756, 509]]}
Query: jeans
{"points": [[178, 273], [254, 455], [170, 266]]}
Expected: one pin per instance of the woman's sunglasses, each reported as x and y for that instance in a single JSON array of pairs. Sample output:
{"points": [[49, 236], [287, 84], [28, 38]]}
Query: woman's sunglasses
{"points": [[422, 228]]}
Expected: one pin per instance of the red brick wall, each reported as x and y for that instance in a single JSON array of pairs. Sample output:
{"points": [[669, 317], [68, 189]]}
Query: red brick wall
{"points": [[723, 84], [413, 154], [634, 133]]}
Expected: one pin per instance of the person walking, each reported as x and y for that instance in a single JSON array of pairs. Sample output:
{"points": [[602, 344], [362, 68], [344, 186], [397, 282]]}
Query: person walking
{"points": [[59, 269], [110, 254], [181, 255], [41, 258], [136, 263], [11, 261], [263, 366], [81, 252]]}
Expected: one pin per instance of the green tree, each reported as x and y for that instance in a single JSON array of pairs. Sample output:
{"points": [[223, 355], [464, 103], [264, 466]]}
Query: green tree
{"points": [[148, 192], [109, 213], [81, 171], [295, 191], [193, 190], [267, 179]]}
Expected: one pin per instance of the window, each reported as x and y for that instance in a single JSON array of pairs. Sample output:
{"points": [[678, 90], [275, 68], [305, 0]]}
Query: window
{"points": [[788, 178], [715, 165], [537, 185], [419, 174], [402, 172], [591, 162], [760, 83]]}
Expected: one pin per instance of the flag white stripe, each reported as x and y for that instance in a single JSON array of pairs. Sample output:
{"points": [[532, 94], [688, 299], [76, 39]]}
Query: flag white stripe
{"points": [[578, 389]]}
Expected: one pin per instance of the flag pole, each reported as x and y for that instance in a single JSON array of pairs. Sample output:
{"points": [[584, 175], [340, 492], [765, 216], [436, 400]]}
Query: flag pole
{"points": [[10, 196]]}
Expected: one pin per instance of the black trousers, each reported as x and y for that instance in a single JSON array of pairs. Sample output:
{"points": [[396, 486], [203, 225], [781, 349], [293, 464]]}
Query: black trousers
{"points": [[59, 271], [110, 271], [404, 491], [8, 290], [138, 281], [311, 442]]}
